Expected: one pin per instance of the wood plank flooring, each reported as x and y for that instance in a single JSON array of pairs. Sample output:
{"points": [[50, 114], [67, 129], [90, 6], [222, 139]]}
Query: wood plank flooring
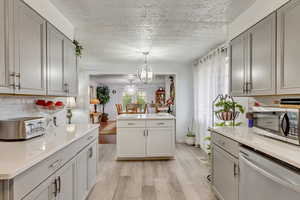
{"points": [[181, 179]]}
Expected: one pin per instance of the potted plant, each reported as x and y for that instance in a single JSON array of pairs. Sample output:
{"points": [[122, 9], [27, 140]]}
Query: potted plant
{"points": [[228, 110], [103, 96], [190, 138]]}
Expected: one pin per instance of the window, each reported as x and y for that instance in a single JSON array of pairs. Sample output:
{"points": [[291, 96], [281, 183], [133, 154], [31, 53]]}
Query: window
{"points": [[141, 99], [126, 99]]}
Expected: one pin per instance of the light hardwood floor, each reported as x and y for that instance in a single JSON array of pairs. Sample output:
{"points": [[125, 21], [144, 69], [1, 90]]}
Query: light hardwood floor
{"points": [[181, 179]]}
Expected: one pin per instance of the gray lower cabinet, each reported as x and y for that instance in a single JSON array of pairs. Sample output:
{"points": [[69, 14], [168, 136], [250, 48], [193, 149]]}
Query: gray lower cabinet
{"points": [[29, 50], [225, 170], [5, 70], [55, 62], [225, 181], [70, 68], [288, 57], [262, 57], [253, 60]]}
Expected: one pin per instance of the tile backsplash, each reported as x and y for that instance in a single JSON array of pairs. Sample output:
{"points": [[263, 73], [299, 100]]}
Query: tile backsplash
{"points": [[21, 106]]}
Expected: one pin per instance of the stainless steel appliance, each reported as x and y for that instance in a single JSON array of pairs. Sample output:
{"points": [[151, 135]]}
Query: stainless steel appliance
{"points": [[264, 179], [278, 123], [22, 128]]}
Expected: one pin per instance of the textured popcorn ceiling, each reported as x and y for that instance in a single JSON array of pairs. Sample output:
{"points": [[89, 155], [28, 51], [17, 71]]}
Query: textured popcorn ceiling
{"points": [[117, 31]]}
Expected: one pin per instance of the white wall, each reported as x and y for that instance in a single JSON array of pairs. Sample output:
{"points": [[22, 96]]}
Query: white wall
{"points": [[46, 9], [184, 90], [259, 10]]}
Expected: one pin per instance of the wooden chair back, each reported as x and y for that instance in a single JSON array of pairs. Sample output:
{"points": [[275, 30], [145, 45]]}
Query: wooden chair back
{"points": [[119, 109], [131, 108]]}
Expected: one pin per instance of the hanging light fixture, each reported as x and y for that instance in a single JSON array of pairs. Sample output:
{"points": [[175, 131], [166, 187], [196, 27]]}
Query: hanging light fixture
{"points": [[131, 88], [145, 73]]}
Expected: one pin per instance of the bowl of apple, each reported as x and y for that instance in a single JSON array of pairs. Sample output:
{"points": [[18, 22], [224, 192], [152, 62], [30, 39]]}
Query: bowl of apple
{"points": [[49, 106]]}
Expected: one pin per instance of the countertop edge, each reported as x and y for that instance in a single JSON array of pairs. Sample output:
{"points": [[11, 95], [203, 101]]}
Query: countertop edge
{"points": [[260, 149], [4, 177]]}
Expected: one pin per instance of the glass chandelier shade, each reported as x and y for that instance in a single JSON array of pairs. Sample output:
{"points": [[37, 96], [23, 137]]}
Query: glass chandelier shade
{"points": [[145, 72]]}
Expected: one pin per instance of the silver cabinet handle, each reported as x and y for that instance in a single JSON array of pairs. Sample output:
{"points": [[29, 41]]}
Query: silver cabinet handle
{"points": [[130, 124], [91, 152], [161, 123], [55, 188], [235, 169], [59, 185], [272, 177], [147, 132]]}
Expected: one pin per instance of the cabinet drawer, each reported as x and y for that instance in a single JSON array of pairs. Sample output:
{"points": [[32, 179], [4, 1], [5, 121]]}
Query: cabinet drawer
{"points": [[229, 145], [160, 123], [131, 123], [27, 181]]}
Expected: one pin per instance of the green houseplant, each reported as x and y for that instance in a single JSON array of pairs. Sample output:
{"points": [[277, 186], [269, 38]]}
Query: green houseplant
{"points": [[228, 110], [103, 96], [78, 48]]}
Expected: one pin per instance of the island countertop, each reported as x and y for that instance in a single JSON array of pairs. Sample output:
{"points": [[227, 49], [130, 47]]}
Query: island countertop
{"points": [[145, 116], [285, 152], [17, 157]]}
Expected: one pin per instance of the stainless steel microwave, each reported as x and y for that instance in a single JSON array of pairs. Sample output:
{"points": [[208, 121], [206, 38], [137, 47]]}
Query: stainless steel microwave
{"points": [[278, 123]]}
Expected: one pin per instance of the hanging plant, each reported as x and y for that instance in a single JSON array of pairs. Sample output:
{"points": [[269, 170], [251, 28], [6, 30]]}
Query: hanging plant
{"points": [[78, 48]]}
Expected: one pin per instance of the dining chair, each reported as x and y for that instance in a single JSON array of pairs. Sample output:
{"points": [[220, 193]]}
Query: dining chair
{"points": [[131, 108], [119, 109]]}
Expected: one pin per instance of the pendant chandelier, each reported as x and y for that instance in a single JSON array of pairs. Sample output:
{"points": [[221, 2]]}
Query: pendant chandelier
{"points": [[145, 72], [131, 88]]}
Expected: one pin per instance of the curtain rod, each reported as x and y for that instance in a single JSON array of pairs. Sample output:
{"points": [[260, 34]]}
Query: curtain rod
{"points": [[221, 47]]}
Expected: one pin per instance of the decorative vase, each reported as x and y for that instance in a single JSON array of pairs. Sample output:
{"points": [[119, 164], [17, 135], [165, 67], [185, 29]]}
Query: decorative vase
{"points": [[227, 116], [104, 117], [190, 140]]}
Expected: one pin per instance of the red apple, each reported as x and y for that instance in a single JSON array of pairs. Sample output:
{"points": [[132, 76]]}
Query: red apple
{"points": [[49, 103], [59, 103], [40, 102]]}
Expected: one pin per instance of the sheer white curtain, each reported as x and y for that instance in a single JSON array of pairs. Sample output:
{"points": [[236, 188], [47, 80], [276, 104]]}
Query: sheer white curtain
{"points": [[211, 77]]}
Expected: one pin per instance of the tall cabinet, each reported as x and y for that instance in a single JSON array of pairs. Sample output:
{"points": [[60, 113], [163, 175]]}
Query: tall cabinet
{"points": [[70, 68], [5, 81], [253, 60], [55, 62], [29, 50], [288, 57]]}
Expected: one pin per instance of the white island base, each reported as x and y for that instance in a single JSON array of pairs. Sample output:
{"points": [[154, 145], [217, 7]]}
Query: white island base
{"points": [[145, 136]]}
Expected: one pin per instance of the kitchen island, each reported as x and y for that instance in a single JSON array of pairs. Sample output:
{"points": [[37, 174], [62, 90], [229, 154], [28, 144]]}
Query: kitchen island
{"points": [[145, 136], [59, 165]]}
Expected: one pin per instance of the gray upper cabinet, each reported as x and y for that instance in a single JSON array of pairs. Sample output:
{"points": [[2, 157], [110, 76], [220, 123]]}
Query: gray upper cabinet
{"points": [[237, 63], [253, 60], [262, 59], [55, 62], [29, 50], [4, 64], [288, 57], [70, 68]]}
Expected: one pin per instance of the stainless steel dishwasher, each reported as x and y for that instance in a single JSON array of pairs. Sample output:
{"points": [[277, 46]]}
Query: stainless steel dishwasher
{"points": [[264, 179]]}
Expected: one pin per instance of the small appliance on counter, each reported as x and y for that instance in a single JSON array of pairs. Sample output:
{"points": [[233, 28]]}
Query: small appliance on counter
{"points": [[22, 128], [279, 123]]}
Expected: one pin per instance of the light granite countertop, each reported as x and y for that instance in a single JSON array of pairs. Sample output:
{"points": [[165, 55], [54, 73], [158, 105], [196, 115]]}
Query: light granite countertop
{"points": [[285, 152], [145, 116], [17, 157]]}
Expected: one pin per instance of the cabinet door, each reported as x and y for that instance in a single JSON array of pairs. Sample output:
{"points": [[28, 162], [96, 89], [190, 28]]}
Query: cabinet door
{"points": [[224, 171], [66, 181], [70, 68], [30, 50], [55, 44], [237, 63], [262, 58], [131, 142], [82, 174], [45, 191], [4, 36], [92, 164], [160, 142], [288, 57]]}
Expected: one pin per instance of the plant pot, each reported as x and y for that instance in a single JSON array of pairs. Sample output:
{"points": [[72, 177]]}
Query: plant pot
{"points": [[190, 140], [104, 117], [227, 116]]}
